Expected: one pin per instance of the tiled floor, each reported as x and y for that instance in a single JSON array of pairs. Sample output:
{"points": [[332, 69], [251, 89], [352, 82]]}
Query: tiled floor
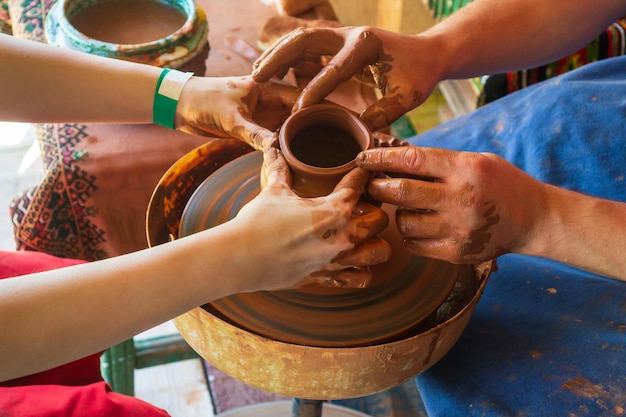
{"points": [[181, 388]]}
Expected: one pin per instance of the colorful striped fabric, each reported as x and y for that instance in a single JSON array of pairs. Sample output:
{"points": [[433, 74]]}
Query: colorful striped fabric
{"points": [[5, 18], [443, 8], [610, 43]]}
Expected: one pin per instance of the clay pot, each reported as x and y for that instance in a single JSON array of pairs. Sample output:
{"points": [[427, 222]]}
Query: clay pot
{"points": [[320, 144], [164, 33], [291, 368]]}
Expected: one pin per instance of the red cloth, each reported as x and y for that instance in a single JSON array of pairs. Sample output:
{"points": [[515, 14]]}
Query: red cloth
{"points": [[74, 389], [91, 400]]}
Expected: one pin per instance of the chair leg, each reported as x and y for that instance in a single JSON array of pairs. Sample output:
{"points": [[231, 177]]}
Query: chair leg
{"points": [[118, 367]]}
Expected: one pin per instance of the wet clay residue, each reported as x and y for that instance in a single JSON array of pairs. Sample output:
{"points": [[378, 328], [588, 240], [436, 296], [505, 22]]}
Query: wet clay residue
{"points": [[181, 180], [466, 195], [128, 22], [383, 113], [612, 398], [369, 49], [480, 237]]}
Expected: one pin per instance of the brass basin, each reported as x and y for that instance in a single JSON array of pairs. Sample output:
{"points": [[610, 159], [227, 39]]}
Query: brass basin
{"points": [[294, 369]]}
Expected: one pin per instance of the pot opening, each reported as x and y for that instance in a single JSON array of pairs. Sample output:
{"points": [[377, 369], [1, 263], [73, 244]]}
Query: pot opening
{"points": [[323, 137], [126, 22], [324, 146]]}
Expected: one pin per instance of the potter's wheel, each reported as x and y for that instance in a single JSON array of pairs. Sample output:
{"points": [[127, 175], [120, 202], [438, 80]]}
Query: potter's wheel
{"points": [[400, 302]]}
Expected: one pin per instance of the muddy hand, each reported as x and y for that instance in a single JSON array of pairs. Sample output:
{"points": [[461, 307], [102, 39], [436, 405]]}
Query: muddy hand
{"points": [[466, 208], [326, 240], [383, 140], [387, 60], [234, 107]]}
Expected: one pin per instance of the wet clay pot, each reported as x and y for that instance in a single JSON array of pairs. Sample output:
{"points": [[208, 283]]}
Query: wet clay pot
{"points": [[164, 33], [268, 346], [320, 144]]}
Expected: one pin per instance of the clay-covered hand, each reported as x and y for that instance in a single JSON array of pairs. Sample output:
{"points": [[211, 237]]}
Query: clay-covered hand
{"points": [[395, 63], [457, 206], [235, 107], [325, 240]]}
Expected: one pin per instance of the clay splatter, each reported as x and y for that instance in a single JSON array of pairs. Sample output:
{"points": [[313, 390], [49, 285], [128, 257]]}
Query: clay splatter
{"points": [[480, 237], [610, 398]]}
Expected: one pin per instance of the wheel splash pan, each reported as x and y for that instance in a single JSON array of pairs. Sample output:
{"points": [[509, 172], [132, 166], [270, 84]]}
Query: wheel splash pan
{"points": [[296, 369]]}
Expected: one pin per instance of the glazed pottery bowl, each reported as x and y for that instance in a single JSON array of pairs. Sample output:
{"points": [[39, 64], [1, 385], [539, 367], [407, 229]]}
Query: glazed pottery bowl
{"points": [[244, 348], [165, 33]]}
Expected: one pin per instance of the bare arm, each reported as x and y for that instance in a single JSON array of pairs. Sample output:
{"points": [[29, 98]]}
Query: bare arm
{"points": [[491, 36], [56, 316], [484, 37], [40, 83], [583, 231]]}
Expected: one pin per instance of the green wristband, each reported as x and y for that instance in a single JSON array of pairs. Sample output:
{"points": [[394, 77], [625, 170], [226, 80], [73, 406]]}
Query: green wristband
{"points": [[168, 89]]}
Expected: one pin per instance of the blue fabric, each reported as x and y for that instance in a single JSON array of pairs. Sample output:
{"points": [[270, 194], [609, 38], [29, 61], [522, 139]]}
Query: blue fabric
{"points": [[569, 130], [545, 339]]}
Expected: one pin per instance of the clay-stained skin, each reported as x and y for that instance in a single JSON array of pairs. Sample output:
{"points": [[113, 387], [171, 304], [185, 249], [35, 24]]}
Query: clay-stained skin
{"points": [[288, 52], [359, 278], [382, 113], [319, 216], [356, 53], [393, 103], [231, 94], [366, 220], [248, 102], [367, 61], [466, 195], [479, 238], [368, 49], [378, 251]]}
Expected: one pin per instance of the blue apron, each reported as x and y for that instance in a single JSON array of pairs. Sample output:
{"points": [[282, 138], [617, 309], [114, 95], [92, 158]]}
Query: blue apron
{"points": [[545, 339]]}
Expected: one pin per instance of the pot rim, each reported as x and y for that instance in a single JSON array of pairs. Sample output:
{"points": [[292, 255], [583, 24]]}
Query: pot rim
{"points": [[61, 10], [334, 112]]}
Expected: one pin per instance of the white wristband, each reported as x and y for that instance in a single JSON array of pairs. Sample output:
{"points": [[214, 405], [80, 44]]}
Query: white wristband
{"points": [[168, 90]]}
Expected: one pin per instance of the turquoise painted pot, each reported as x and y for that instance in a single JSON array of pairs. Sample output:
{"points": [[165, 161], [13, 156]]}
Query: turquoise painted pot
{"points": [[185, 48]]}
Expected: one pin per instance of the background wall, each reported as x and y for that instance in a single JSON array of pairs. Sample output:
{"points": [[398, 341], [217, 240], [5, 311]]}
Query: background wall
{"points": [[407, 16]]}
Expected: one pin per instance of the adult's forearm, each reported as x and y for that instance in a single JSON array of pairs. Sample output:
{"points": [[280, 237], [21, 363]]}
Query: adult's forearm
{"points": [[40, 83], [582, 231], [492, 36]]}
